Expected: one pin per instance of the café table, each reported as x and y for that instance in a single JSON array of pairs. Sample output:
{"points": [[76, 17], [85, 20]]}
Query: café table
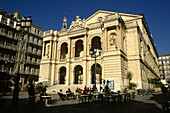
{"points": [[46, 99], [95, 95], [85, 97]]}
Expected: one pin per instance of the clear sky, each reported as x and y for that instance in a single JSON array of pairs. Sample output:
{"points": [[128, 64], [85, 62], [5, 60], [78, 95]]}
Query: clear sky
{"points": [[49, 14]]}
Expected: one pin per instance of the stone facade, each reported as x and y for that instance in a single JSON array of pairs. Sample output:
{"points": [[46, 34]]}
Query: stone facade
{"points": [[126, 43], [164, 67], [9, 45]]}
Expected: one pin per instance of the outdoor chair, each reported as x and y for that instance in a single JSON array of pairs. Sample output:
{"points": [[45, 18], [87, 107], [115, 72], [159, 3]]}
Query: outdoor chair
{"points": [[80, 98], [62, 97], [119, 98], [73, 96], [133, 95], [100, 97], [128, 96]]}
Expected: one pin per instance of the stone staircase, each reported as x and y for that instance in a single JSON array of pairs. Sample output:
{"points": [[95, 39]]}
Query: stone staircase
{"points": [[56, 88]]}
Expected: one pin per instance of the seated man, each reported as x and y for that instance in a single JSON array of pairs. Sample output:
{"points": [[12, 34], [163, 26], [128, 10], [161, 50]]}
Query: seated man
{"points": [[61, 95], [68, 92]]}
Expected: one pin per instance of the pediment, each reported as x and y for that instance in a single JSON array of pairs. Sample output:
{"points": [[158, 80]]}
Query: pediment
{"points": [[98, 15], [77, 25], [105, 14]]}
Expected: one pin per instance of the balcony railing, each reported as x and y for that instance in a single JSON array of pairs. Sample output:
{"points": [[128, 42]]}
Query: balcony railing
{"points": [[8, 47], [29, 72], [8, 35], [32, 62]]}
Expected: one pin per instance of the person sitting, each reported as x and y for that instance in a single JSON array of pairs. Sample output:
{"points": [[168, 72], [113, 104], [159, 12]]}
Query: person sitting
{"points": [[68, 92], [77, 90], [85, 90], [107, 90], [80, 90], [61, 95], [88, 91]]}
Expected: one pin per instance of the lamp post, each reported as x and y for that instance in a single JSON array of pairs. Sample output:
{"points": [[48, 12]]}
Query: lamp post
{"points": [[94, 54], [22, 28]]}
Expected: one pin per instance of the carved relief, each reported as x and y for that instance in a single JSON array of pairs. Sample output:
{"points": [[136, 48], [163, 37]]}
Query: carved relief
{"points": [[78, 24], [47, 50], [112, 39]]}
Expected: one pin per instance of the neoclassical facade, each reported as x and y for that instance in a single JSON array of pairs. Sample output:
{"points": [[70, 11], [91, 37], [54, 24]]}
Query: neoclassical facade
{"points": [[126, 44]]}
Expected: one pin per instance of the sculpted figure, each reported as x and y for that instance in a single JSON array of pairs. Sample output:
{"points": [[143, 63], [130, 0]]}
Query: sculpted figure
{"points": [[112, 39]]}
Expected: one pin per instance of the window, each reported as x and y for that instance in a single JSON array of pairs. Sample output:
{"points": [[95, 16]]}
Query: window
{"points": [[99, 19], [166, 67], [162, 67], [167, 72]]}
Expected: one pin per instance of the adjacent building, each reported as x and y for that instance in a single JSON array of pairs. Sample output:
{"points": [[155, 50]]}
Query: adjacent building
{"points": [[164, 67], [30, 51], [126, 43]]}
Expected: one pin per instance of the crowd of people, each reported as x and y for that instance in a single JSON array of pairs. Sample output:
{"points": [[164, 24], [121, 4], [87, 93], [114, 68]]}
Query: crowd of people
{"points": [[86, 90]]}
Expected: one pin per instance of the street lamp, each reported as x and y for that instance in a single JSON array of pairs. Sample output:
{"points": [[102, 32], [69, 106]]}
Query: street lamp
{"points": [[94, 54], [22, 28]]}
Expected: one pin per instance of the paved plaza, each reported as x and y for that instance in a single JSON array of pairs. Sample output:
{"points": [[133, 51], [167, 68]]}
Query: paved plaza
{"points": [[141, 104]]}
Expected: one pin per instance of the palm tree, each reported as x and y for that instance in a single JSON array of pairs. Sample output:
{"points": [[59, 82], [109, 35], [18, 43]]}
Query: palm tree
{"points": [[129, 76]]}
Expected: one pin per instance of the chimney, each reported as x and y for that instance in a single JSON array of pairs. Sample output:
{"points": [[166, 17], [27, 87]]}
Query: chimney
{"points": [[16, 15]]}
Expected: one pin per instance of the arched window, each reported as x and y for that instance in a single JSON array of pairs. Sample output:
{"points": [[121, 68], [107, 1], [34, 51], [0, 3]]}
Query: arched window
{"points": [[64, 51], [78, 74], [79, 48], [96, 43], [98, 74], [62, 75]]}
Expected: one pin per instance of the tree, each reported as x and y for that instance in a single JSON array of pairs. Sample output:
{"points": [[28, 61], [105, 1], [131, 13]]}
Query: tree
{"points": [[155, 81], [129, 76], [131, 84]]}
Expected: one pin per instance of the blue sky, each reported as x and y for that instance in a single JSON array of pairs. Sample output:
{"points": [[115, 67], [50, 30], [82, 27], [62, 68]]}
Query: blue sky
{"points": [[48, 14]]}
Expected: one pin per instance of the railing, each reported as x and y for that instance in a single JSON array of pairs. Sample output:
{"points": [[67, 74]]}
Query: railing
{"points": [[30, 72], [8, 47], [32, 62], [8, 35]]}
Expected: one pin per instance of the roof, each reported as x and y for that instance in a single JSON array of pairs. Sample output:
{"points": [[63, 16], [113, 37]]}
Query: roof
{"points": [[165, 55]]}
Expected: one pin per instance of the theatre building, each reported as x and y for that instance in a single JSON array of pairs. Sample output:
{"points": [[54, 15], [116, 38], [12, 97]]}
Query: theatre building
{"points": [[126, 46]]}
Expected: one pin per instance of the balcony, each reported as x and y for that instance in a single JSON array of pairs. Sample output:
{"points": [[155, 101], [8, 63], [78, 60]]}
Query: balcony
{"points": [[8, 72], [32, 62], [34, 53], [8, 47], [30, 72], [8, 35]]}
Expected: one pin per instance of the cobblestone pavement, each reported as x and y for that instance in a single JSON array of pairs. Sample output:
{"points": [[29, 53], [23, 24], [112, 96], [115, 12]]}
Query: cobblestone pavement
{"points": [[141, 104]]}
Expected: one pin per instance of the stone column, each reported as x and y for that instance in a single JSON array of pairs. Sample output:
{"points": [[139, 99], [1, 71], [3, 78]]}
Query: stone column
{"points": [[59, 52], [53, 73], [50, 54], [67, 74], [69, 48], [105, 40], [73, 52], [85, 45], [55, 50], [43, 49], [72, 77], [118, 38], [85, 72]]}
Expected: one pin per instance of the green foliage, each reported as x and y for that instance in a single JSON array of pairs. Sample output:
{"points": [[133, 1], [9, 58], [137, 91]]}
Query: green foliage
{"points": [[132, 85], [129, 76], [155, 81], [40, 88]]}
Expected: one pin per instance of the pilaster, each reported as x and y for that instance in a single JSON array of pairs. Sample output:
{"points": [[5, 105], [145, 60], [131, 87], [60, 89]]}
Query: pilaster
{"points": [[51, 43]]}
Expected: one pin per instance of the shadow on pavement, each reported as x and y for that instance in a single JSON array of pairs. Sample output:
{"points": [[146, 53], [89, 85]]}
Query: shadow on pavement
{"points": [[133, 106]]}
